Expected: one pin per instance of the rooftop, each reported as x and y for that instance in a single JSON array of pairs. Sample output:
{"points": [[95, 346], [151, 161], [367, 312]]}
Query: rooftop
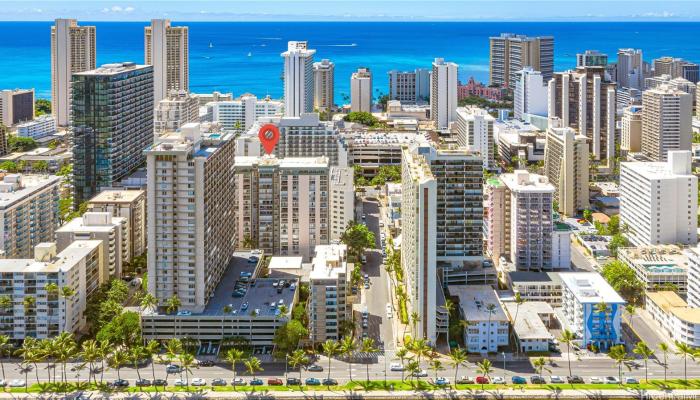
{"points": [[113, 69], [590, 287], [661, 259], [280, 262], [671, 303], [271, 160], [16, 187], [117, 196], [474, 301], [523, 181], [534, 276], [92, 222], [329, 261], [63, 261], [529, 324]]}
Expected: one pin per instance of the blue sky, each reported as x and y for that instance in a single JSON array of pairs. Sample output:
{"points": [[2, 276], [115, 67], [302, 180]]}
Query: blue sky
{"points": [[357, 10]]}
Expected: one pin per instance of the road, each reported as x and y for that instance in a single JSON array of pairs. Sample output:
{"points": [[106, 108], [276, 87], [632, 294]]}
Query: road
{"points": [[579, 260]]}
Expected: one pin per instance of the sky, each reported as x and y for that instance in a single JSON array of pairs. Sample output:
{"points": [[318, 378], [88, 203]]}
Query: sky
{"points": [[355, 10]]}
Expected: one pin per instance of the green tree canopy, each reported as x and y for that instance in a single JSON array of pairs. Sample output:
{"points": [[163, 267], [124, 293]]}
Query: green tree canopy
{"points": [[387, 173], [358, 238], [287, 336], [361, 117], [42, 106], [8, 166], [18, 143], [623, 279], [617, 241], [124, 329]]}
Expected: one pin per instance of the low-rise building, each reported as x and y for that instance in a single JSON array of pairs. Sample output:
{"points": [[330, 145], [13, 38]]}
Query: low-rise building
{"points": [[531, 322], [38, 128], [676, 319], [176, 110], [661, 267], [372, 150], [330, 298], [584, 294], [129, 204], [489, 326], [519, 139], [242, 113], [536, 286]]}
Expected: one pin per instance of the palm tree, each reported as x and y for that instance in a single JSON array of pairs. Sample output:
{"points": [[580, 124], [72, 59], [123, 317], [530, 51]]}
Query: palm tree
{"points": [[330, 348], [401, 355], [415, 318], [136, 354], [118, 359], [233, 356], [67, 292], [5, 302], [104, 349], [413, 368], [631, 310], [491, 309], [540, 365], [485, 368], [368, 347], [619, 355], [297, 359], [347, 347], [152, 349], [602, 308], [90, 354], [172, 305], [645, 352], [663, 347], [148, 301], [186, 364], [252, 365], [51, 289], [66, 349], [518, 301], [4, 347], [465, 324], [28, 353], [568, 337], [684, 351], [458, 357], [436, 366]]}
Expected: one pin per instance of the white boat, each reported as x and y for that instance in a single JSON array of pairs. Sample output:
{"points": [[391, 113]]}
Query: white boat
{"points": [[250, 54], [210, 45]]}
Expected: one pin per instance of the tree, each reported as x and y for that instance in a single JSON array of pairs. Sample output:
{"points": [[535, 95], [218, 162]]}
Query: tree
{"points": [[21, 144], [631, 310], [148, 301], [568, 338], [458, 357], [436, 366], [485, 368], [623, 279], [685, 351], [124, 329], [641, 349], [361, 117], [518, 302], [401, 355], [4, 347], [330, 348], [8, 166], [491, 309], [367, 347], [136, 355], [387, 173], [358, 238], [118, 359], [617, 241], [42, 106], [65, 349], [233, 356], [287, 336], [540, 365], [186, 365], [152, 349], [413, 368], [619, 355], [248, 242], [588, 215], [40, 166], [347, 347], [663, 347], [28, 353], [252, 365], [172, 305], [298, 359]]}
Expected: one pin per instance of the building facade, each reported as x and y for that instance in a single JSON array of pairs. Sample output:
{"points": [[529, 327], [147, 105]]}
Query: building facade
{"points": [[659, 268], [566, 167], [166, 49], [530, 95], [510, 53], [591, 58], [298, 79], [631, 133], [242, 113], [443, 93], [676, 319], [410, 87], [324, 85], [630, 69], [666, 121], [361, 90], [16, 106], [342, 207], [474, 128], [128, 204], [38, 128], [176, 110]]}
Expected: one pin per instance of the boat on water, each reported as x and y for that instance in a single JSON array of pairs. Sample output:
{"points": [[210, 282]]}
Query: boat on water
{"points": [[250, 54], [211, 45]]}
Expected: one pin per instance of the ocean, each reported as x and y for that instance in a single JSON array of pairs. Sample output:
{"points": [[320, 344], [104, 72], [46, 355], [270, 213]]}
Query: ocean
{"points": [[242, 57]]}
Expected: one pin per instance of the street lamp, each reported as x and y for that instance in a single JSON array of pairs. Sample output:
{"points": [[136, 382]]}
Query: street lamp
{"points": [[503, 353], [286, 362]]}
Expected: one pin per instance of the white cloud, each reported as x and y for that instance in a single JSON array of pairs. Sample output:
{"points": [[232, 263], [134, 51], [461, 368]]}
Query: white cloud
{"points": [[118, 9]]}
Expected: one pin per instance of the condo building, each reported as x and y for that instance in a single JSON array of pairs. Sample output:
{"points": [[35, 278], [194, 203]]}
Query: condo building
{"points": [[29, 211], [73, 50], [342, 207], [298, 79], [474, 127], [585, 100], [324, 85], [372, 150], [676, 68], [191, 232], [166, 49], [242, 113], [591, 58], [443, 93], [79, 267], [666, 121], [693, 292], [176, 110], [566, 167], [16, 106], [631, 132], [361, 90], [128, 204], [675, 317], [510, 53], [658, 267], [489, 326], [630, 69], [659, 201], [107, 149], [112, 231], [38, 128], [410, 87], [530, 97]]}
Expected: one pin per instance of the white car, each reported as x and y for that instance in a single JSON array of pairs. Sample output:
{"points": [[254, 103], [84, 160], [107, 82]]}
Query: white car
{"points": [[630, 380], [198, 382], [17, 383], [557, 379], [397, 367], [3, 383], [180, 382], [498, 380], [420, 374], [596, 380], [612, 380]]}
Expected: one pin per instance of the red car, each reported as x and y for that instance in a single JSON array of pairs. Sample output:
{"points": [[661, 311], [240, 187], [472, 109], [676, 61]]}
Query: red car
{"points": [[481, 380], [275, 382]]}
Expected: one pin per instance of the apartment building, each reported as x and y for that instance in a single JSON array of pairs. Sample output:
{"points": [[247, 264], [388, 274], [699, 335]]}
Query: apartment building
{"points": [[175, 110], [191, 231], [474, 128], [107, 149], [631, 133], [510, 53], [167, 50], [676, 68], [29, 211], [38, 128], [666, 121], [693, 292], [410, 87], [630, 69], [536, 286], [73, 49], [489, 326], [242, 113], [659, 267], [591, 58], [361, 90], [372, 150], [128, 204], [677, 320], [443, 93], [298, 79], [659, 201], [42, 313], [530, 96], [16, 106], [342, 207], [566, 167], [324, 85]]}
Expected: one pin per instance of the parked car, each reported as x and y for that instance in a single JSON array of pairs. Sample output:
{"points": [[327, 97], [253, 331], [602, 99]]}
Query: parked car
{"points": [[172, 369], [574, 379], [498, 380], [293, 381], [312, 382], [219, 382], [465, 380], [612, 380], [420, 374], [180, 382], [481, 380], [556, 379], [256, 382], [330, 382], [596, 380], [630, 380], [206, 363], [275, 382], [442, 381], [396, 366], [160, 382], [198, 382], [238, 382], [3, 383], [537, 380], [117, 383], [314, 368], [142, 382], [253, 259], [518, 380], [17, 383]]}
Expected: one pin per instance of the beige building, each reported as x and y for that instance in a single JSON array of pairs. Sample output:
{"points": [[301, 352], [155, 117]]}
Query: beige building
{"points": [[631, 135], [330, 299], [16, 106], [191, 220], [72, 50], [342, 200], [510, 53], [174, 111], [361, 90], [324, 85], [129, 204], [666, 121], [676, 319], [566, 167], [112, 231], [659, 267], [474, 128], [166, 48]]}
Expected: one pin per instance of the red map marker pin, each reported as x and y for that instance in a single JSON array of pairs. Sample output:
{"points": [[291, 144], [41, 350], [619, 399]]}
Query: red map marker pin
{"points": [[269, 136]]}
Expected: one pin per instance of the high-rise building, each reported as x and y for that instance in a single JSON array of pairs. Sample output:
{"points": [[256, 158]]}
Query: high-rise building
{"points": [[631, 133], [242, 113], [166, 48], [342, 207], [4, 133], [474, 127], [298, 79], [106, 148], [442, 222], [330, 299], [324, 85], [361, 90], [510, 53], [283, 205], [666, 121], [669, 66], [410, 87], [659, 200], [128, 204], [591, 58], [530, 97], [566, 167], [697, 100], [691, 72], [584, 100], [630, 69], [72, 50], [16, 106], [29, 211], [176, 110], [443, 93], [191, 220]]}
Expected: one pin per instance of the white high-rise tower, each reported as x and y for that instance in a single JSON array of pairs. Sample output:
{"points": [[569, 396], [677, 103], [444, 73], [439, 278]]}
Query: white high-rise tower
{"points": [[298, 79]]}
